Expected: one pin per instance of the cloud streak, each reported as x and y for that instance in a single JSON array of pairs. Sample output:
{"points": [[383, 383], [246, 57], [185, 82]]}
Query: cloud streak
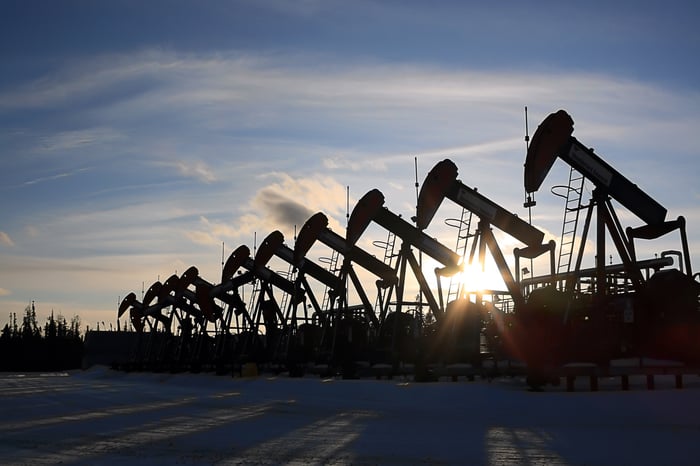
{"points": [[57, 176], [79, 139], [196, 169], [6, 240], [255, 85]]}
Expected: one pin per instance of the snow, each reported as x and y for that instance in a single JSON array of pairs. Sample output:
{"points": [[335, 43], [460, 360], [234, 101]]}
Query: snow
{"points": [[100, 416]]}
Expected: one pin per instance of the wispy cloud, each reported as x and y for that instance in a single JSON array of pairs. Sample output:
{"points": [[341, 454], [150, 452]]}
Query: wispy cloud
{"points": [[4, 292], [339, 162], [196, 169], [357, 113], [71, 140], [212, 232], [5, 239], [80, 79], [57, 176], [263, 89]]}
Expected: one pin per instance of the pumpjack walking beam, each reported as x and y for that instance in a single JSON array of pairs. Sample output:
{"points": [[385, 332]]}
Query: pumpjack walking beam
{"points": [[553, 139], [371, 208], [316, 228], [441, 182]]}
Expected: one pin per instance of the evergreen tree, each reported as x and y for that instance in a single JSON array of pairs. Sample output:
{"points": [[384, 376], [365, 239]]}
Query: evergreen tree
{"points": [[27, 332], [36, 331], [51, 330], [75, 327], [61, 327], [29, 346]]}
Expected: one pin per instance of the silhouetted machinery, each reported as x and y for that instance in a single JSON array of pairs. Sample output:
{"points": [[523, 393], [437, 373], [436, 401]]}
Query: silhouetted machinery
{"points": [[191, 303], [460, 332], [638, 308], [353, 321], [400, 332], [554, 323], [299, 331]]}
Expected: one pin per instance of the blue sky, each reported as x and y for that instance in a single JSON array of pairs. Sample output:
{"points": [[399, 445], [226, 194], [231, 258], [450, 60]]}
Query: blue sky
{"points": [[136, 137]]}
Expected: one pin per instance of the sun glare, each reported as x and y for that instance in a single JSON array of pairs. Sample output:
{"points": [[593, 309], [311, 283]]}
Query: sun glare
{"points": [[474, 279]]}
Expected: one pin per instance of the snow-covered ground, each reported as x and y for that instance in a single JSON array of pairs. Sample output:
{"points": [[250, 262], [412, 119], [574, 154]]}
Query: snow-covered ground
{"points": [[101, 416]]}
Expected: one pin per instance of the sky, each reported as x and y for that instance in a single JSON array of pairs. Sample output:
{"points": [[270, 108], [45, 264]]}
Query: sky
{"points": [[140, 138]]}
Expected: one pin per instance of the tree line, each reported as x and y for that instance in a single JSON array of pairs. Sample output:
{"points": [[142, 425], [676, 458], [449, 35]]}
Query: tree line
{"points": [[29, 346]]}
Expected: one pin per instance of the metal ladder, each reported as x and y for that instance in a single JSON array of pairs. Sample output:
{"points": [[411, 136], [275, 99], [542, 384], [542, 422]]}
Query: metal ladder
{"points": [[255, 291], [388, 259], [464, 226], [289, 275], [332, 268], [572, 207]]}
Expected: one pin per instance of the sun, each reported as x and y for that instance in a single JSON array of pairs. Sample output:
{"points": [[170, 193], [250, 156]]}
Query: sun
{"points": [[472, 278], [478, 279]]}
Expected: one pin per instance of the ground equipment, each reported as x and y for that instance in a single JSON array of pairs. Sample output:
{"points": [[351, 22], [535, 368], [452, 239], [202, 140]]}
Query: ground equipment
{"points": [[633, 309]]}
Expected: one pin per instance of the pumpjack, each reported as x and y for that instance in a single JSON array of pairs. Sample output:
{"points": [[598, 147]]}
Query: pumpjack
{"points": [[637, 308], [316, 229], [240, 338], [364, 320], [300, 332], [192, 303], [253, 343], [460, 333], [230, 318], [180, 342], [151, 345], [400, 331]]}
